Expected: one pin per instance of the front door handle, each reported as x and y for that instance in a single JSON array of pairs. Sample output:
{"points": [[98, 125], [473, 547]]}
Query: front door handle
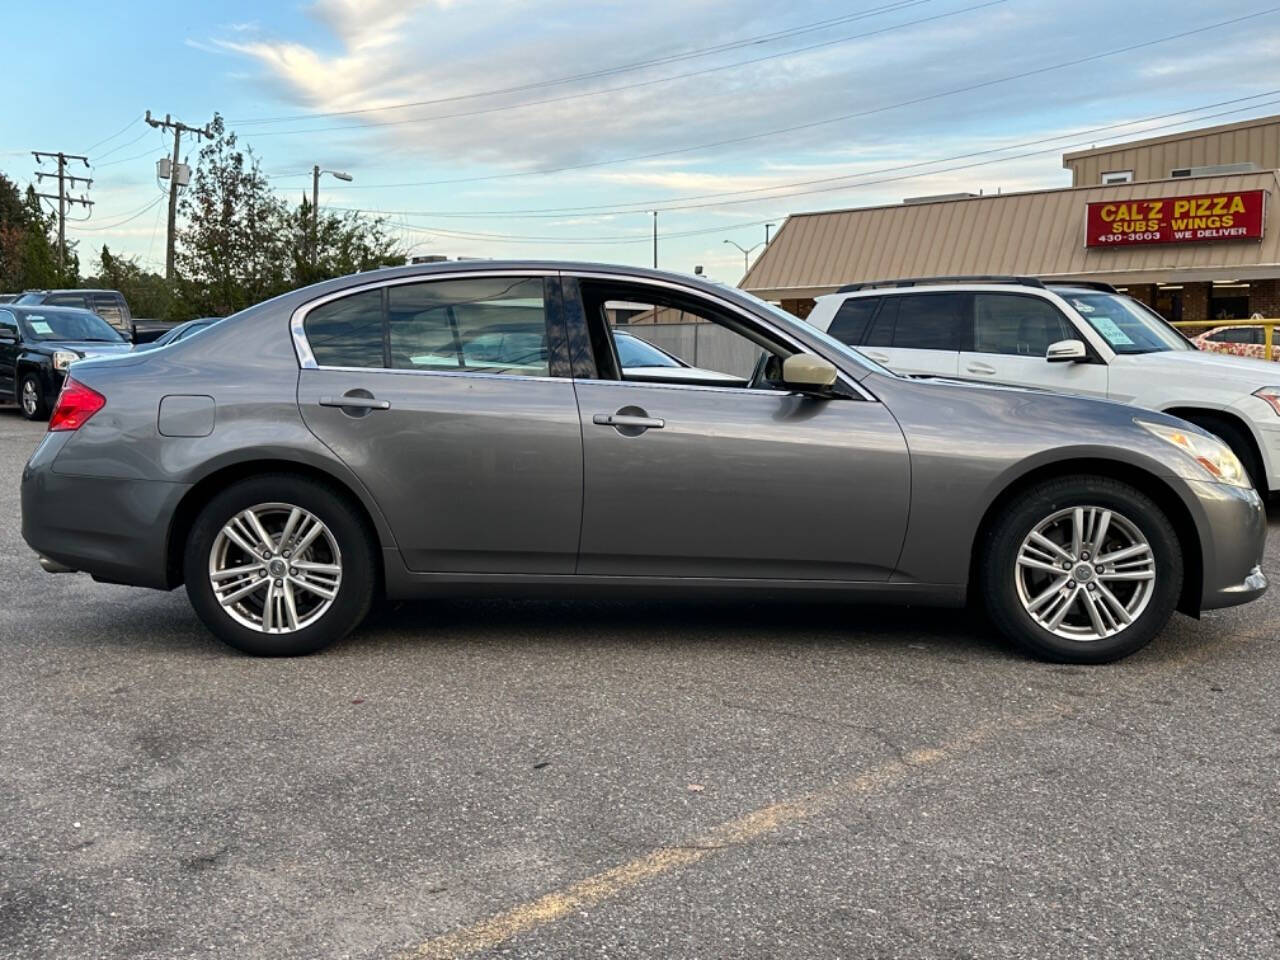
{"points": [[980, 368], [355, 402], [628, 420]]}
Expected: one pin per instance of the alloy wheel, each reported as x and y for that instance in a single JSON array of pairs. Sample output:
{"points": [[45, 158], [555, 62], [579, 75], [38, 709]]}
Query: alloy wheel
{"points": [[1085, 573], [275, 568], [30, 398]]}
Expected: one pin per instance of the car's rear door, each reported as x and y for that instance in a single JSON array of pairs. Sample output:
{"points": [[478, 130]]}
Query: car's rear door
{"points": [[440, 394], [919, 334], [696, 480], [10, 346], [1011, 334]]}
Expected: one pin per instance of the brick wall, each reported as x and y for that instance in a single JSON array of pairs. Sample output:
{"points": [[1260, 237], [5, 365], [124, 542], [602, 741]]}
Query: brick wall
{"points": [[801, 308], [1264, 298]]}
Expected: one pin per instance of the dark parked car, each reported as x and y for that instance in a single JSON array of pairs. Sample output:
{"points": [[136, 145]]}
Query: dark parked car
{"points": [[448, 427], [180, 332], [38, 344], [9, 297], [110, 305]]}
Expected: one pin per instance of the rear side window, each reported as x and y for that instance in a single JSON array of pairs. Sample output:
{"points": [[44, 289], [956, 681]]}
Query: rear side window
{"points": [[931, 321], [1016, 325], [850, 323], [481, 325], [69, 300], [347, 332], [109, 309]]}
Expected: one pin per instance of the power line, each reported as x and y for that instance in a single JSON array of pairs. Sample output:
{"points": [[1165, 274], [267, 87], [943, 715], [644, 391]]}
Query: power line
{"points": [[178, 129], [675, 204], [128, 143], [631, 86], [595, 74], [64, 180], [151, 204], [113, 136], [778, 131]]}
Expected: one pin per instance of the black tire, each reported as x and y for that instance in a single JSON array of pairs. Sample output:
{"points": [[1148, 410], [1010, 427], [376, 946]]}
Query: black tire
{"points": [[359, 559], [40, 410], [1235, 437], [998, 569]]}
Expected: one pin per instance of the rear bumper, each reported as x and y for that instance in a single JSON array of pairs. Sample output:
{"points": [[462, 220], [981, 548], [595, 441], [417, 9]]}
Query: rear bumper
{"points": [[113, 529], [1233, 532]]}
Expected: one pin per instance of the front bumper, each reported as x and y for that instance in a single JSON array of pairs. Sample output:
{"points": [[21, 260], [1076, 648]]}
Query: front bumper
{"points": [[116, 530], [1233, 537]]}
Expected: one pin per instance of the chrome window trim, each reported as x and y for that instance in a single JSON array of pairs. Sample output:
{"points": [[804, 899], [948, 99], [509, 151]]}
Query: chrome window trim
{"points": [[469, 374], [698, 292], [307, 359]]}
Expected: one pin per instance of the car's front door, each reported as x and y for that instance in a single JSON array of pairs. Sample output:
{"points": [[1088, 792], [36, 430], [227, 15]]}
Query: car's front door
{"points": [[9, 348], [733, 482], [1011, 335], [439, 395]]}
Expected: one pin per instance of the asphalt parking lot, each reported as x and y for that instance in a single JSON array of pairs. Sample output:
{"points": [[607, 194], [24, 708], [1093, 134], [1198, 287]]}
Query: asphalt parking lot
{"points": [[624, 779]]}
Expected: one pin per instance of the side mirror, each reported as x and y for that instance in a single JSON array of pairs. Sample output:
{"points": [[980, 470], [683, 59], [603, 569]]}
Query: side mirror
{"points": [[808, 373], [1066, 351]]}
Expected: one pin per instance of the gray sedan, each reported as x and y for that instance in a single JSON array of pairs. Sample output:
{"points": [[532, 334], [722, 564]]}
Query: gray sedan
{"points": [[446, 428]]}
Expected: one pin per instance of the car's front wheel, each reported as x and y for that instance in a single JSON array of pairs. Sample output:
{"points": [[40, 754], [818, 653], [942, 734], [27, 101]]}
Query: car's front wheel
{"points": [[280, 565], [1082, 569], [31, 398]]}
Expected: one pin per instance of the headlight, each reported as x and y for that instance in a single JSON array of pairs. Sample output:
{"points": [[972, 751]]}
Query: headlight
{"points": [[1271, 395], [1212, 454], [63, 359]]}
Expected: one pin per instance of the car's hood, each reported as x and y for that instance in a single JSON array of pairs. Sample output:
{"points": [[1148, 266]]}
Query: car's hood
{"points": [[1245, 371], [86, 348]]}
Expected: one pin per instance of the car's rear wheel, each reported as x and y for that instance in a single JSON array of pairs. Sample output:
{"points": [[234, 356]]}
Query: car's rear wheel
{"points": [[31, 398], [1082, 569], [280, 565]]}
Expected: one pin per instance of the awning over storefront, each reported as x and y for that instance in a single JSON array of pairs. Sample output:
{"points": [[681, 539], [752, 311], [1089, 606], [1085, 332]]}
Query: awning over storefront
{"points": [[1040, 233]]}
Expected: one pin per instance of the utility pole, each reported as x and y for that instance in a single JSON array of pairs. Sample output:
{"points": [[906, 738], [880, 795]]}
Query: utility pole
{"points": [[61, 196], [655, 239], [178, 130], [315, 205]]}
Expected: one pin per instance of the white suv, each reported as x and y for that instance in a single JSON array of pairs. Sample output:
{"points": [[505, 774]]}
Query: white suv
{"points": [[1080, 338]]}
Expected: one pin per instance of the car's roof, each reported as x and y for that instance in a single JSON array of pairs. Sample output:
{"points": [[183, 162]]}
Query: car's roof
{"points": [[73, 290], [967, 286], [40, 308]]}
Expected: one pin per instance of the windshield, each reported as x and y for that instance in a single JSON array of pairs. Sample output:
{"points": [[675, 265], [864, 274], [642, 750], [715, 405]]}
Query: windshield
{"points": [[1126, 325], [634, 352], [67, 324]]}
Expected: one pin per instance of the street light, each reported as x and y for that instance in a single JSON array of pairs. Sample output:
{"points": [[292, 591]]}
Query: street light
{"points": [[746, 252], [315, 204]]}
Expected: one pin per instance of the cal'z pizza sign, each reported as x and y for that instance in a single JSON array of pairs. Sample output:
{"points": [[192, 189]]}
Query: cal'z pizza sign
{"points": [[1198, 219]]}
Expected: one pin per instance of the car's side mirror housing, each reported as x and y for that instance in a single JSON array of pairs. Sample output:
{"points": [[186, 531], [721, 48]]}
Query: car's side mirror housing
{"points": [[1067, 351], [808, 373]]}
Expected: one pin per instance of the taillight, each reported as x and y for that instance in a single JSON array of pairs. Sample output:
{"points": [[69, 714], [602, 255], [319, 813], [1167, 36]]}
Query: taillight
{"points": [[76, 404]]}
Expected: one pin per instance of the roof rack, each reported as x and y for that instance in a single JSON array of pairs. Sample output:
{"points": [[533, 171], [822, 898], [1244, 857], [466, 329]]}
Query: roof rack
{"points": [[1087, 284], [923, 281]]}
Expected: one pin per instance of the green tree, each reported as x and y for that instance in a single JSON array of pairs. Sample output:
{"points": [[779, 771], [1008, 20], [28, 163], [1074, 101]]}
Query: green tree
{"points": [[240, 243], [28, 245], [146, 292], [230, 251]]}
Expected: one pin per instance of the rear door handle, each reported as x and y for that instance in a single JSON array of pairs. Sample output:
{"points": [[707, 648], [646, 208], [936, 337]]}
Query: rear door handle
{"points": [[356, 403], [980, 368], [626, 420]]}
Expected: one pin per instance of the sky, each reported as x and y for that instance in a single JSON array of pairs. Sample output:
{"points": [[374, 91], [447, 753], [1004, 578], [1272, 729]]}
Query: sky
{"points": [[493, 128]]}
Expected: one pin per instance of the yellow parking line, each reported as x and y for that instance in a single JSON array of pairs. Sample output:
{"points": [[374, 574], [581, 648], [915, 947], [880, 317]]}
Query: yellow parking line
{"points": [[502, 927]]}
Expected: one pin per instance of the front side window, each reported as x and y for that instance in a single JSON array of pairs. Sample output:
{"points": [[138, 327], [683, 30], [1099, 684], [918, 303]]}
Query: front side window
{"points": [[9, 323], [1125, 325], [931, 321], [347, 332], [1016, 325], [480, 325], [68, 300]]}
